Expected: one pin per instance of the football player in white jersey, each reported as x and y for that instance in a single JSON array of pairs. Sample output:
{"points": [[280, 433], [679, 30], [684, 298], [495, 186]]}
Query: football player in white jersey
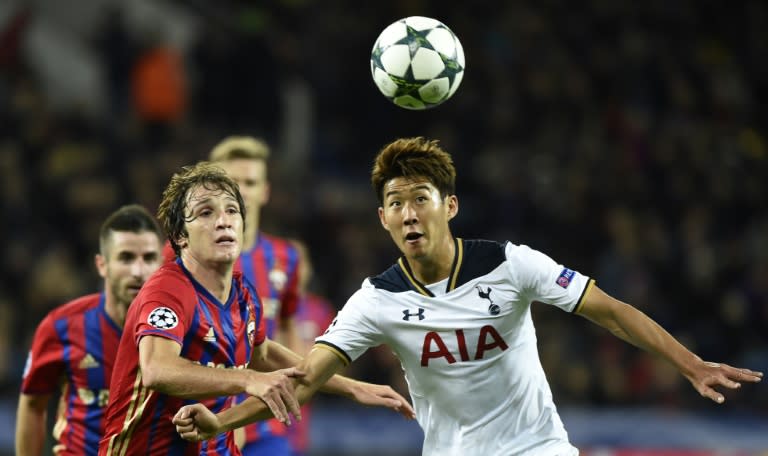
{"points": [[457, 314]]}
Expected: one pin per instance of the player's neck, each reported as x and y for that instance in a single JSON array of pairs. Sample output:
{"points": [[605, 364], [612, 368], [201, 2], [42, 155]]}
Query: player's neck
{"points": [[216, 278], [435, 267], [114, 308]]}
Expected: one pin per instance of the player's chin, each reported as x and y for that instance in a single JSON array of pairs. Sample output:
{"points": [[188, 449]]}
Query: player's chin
{"points": [[229, 256], [227, 252], [414, 251]]}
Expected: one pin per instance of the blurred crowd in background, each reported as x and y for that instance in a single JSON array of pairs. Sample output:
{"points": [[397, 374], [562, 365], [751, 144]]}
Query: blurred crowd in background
{"points": [[625, 139]]}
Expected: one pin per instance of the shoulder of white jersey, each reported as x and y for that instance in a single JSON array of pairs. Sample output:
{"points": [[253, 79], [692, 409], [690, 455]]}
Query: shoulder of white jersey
{"points": [[392, 280], [476, 258], [521, 254], [480, 258]]}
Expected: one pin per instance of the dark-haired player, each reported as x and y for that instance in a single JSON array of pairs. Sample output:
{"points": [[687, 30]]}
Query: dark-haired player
{"points": [[74, 347], [457, 314]]}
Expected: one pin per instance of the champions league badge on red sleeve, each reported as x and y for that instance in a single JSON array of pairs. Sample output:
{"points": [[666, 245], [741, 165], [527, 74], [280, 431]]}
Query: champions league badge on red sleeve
{"points": [[163, 318], [565, 277]]}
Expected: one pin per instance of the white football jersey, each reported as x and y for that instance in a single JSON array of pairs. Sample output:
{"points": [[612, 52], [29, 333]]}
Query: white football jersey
{"points": [[468, 347]]}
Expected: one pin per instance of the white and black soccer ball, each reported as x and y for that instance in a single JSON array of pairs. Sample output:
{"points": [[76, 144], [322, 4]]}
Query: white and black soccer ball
{"points": [[417, 62]]}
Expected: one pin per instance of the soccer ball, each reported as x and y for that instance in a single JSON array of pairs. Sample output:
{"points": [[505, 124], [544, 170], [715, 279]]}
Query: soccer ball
{"points": [[417, 62]]}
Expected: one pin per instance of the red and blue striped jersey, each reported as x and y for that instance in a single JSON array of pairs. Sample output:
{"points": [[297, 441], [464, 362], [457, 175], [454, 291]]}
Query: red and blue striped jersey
{"points": [[271, 266], [76, 343], [173, 305]]}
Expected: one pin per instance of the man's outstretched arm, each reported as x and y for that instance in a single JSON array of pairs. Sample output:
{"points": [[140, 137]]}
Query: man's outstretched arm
{"points": [[633, 326], [277, 356], [195, 422], [165, 371]]}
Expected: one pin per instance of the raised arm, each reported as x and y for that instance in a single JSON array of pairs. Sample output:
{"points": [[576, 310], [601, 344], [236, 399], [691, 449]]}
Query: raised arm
{"points": [[165, 371], [633, 326], [30, 424]]}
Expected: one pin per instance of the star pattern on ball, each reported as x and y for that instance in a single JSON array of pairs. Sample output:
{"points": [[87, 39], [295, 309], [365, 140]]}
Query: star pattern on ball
{"points": [[415, 39]]}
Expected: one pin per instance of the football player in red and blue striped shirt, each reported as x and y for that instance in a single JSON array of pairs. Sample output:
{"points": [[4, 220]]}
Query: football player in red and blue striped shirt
{"points": [[195, 327], [74, 347]]}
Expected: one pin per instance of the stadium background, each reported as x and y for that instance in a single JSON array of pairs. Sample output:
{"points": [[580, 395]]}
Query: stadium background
{"points": [[626, 139]]}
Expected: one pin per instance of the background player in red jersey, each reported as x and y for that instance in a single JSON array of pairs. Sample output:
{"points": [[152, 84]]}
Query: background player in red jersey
{"points": [[76, 343], [271, 265], [194, 327]]}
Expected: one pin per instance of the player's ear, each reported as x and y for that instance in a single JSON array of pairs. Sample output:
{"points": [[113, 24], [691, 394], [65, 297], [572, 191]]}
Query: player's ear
{"points": [[382, 219], [101, 265], [453, 206], [181, 241]]}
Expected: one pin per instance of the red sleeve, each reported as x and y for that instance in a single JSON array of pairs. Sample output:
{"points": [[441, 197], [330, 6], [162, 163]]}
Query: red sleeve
{"points": [[165, 308], [45, 362]]}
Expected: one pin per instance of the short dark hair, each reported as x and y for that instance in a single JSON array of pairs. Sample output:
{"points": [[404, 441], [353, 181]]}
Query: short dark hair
{"points": [[131, 218], [414, 157], [171, 211]]}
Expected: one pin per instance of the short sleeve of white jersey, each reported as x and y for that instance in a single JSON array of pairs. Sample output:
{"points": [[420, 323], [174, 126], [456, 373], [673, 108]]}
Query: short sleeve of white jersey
{"points": [[545, 280], [354, 329]]}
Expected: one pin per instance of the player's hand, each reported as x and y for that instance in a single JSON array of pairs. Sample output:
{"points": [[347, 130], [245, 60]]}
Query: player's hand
{"points": [[276, 390], [196, 423], [382, 396], [706, 376]]}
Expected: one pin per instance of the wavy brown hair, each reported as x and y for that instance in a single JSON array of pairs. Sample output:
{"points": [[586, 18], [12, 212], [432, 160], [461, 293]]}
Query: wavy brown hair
{"points": [[172, 212], [414, 157]]}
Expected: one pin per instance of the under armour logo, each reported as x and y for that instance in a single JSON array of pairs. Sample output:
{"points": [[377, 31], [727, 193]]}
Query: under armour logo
{"points": [[407, 315], [493, 309]]}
